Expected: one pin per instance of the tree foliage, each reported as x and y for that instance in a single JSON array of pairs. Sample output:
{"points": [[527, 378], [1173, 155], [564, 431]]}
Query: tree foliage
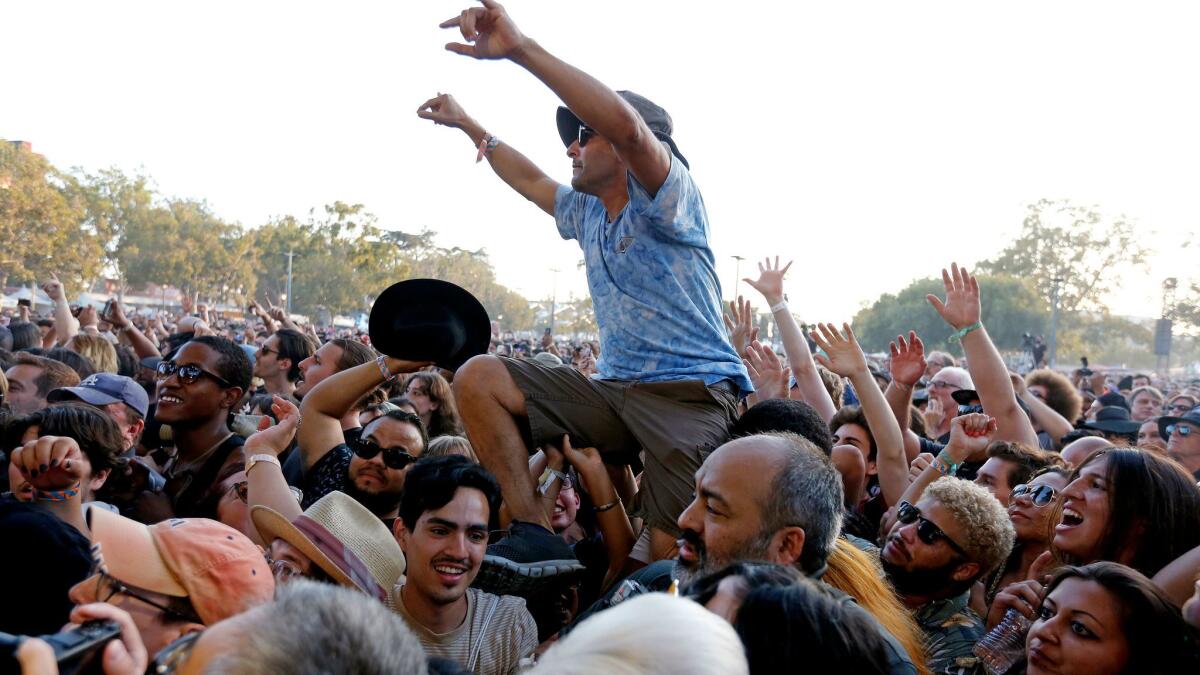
{"points": [[1078, 245]]}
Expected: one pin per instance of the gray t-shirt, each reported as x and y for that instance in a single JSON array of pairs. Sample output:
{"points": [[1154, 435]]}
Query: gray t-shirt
{"points": [[493, 638]]}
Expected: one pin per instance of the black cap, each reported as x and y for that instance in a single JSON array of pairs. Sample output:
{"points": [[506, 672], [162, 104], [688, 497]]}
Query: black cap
{"points": [[429, 320], [652, 114], [965, 396]]}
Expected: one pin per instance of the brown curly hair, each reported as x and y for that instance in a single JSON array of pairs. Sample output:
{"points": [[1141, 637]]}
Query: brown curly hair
{"points": [[1060, 393]]}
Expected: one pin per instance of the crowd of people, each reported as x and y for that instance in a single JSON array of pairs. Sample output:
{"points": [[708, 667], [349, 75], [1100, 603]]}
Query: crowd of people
{"points": [[196, 493]]}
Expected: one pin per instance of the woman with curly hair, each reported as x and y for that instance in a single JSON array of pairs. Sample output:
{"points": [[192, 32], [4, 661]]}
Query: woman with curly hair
{"points": [[430, 394]]}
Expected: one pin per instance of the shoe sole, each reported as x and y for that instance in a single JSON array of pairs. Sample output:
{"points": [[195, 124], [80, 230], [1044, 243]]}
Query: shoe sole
{"points": [[501, 576]]}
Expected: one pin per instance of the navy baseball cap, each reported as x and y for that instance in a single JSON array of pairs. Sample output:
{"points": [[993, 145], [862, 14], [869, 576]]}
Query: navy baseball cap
{"points": [[103, 389]]}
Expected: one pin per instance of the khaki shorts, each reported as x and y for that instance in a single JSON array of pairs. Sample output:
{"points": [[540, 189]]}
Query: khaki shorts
{"points": [[676, 423]]}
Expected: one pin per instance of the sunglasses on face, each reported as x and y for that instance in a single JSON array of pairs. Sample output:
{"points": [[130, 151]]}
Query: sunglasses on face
{"points": [[265, 350], [187, 374], [939, 384], [1184, 430], [585, 135], [927, 531], [1038, 495], [1179, 407], [393, 458]]}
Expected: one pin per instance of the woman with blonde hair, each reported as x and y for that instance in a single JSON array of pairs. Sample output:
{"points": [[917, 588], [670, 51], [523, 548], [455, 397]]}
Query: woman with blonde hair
{"points": [[97, 350], [858, 575]]}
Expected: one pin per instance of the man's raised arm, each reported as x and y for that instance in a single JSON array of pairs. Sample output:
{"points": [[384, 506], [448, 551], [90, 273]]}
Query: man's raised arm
{"points": [[513, 168], [491, 34]]}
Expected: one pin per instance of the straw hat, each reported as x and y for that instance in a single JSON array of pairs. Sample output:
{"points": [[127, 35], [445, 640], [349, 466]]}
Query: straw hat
{"points": [[343, 538]]}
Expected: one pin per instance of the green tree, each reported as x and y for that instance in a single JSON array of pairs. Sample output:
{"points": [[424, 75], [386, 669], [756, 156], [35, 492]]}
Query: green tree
{"points": [[42, 223], [1078, 245], [1010, 308]]}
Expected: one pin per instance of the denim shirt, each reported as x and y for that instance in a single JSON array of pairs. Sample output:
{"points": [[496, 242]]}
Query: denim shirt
{"points": [[653, 281]]}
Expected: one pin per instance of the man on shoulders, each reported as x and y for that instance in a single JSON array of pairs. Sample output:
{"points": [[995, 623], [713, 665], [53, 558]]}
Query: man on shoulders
{"points": [[668, 379]]}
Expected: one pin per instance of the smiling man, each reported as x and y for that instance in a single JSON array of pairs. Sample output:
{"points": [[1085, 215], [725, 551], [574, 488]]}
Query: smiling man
{"points": [[371, 468], [443, 528], [198, 387]]}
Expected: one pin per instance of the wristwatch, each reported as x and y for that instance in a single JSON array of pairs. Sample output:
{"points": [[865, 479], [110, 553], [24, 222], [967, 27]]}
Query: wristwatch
{"points": [[255, 459]]}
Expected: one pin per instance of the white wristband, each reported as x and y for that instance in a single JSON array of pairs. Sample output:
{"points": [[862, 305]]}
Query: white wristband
{"points": [[780, 306]]}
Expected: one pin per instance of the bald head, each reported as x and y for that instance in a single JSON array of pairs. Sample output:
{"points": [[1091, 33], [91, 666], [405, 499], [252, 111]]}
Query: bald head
{"points": [[1078, 450]]}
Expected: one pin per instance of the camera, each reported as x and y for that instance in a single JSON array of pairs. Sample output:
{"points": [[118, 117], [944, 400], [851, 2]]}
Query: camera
{"points": [[76, 651]]}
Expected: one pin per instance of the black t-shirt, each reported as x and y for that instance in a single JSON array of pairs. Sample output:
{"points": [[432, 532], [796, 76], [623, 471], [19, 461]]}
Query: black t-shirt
{"points": [[44, 559], [192, 493]]}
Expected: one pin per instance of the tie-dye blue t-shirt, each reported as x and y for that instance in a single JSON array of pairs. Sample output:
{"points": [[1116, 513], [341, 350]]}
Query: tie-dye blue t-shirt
{"points": [[654, 284]]}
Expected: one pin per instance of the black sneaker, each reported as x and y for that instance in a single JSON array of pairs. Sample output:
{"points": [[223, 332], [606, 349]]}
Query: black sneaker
{"points": [[528, 559]]}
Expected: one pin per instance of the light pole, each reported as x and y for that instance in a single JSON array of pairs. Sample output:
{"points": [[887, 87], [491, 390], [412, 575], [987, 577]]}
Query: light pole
{"points": [[288, 300], [1054, 322], [553, 297], [737, 275]]}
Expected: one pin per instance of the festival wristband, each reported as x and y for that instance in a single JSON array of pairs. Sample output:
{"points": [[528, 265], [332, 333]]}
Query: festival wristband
{"points": [[486, 145], [781, 305], [959, 335], [56, 495], [605, 507], [548, 477], [381, 361], [945, 464]]}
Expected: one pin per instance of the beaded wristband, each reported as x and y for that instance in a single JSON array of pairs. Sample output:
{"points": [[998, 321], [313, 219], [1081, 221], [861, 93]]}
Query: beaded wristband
{"points": [[56, 495]]}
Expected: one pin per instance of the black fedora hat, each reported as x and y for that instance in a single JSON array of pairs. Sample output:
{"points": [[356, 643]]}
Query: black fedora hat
{"points": [[1113, 419], [429, 320], [1191, 417]]}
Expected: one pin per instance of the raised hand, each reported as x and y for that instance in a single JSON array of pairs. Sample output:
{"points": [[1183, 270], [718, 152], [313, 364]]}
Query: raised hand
{"points": [[961, 308], [53, 288], [116, 315], [741, 328], [842, 354], [933, 414], [907, 362], [88, 317], [770, 280], [50, 463], [970, 435], [275, 439], [767, 373], [918, 466], [444, 109], [489, 30]]}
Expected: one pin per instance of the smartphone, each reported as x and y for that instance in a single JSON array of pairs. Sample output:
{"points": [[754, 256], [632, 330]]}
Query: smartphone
{"points": [[1085, 371], [547, 331], [24, 302], [108, 308], [75, 310]]}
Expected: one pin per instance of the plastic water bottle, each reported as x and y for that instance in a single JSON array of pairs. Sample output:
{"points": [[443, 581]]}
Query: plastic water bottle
{"points": [[1004, 645]]}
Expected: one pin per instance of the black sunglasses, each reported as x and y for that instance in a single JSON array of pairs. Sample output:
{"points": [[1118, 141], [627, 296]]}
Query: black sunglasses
{"points": [[393, 458], [927, 531], [1040, 495], [585, 134], [187, 374]]}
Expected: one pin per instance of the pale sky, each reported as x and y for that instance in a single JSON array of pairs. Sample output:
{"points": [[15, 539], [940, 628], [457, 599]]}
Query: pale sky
{"points": [[873, 142]]}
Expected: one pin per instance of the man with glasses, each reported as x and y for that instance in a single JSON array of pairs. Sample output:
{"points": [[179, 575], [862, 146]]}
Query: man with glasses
{"points": [[953, 536], [174, 577], [668, 379], [198, 387], [370, 468], [1183, 439], [277, 362]]}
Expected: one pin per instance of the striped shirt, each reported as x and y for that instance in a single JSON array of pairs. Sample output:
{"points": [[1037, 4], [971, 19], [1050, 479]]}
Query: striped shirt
{"points": [[497, 626]]}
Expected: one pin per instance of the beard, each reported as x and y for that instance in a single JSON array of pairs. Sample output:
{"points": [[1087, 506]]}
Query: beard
{"points": [[757, 548], [933, 581], [379, 503]]}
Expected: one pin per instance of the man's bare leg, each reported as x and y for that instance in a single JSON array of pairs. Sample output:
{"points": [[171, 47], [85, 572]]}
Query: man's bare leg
{"points": [[488, 401]]}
